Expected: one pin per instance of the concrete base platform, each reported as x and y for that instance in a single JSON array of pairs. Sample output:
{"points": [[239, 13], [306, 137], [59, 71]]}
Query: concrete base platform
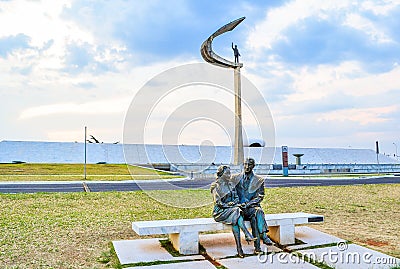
{"points": [[277, 261], [146, 250], [312, 237], [222, 248], [223, 245], [180, 265], [351, 256]]}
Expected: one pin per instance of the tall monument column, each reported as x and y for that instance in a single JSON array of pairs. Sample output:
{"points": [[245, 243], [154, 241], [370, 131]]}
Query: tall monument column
{"points": [[238, 156], [211, 57]]}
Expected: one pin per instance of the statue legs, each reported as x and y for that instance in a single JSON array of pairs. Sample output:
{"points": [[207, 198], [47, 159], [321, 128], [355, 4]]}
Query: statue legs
{"points": [[262, 226], [246, 232], [236, 234], [259, 227], [256, 235]]}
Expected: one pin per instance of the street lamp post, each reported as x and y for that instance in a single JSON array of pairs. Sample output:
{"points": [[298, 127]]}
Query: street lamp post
{"points": [[84, 166], [396, 150]]}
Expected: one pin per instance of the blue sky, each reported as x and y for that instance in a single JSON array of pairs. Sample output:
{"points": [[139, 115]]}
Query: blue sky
{"points": [[328, 70]]}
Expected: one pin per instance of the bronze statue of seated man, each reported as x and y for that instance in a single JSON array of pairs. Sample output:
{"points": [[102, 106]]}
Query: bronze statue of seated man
{"points": [[250, 189]]}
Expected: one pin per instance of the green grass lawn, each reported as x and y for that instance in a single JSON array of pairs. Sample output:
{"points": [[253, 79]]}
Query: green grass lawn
{"points": [[61, 172], [74, 230]]}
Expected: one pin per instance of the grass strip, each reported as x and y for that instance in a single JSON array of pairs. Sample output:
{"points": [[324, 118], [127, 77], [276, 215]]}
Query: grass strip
{"points": [[109, 258], [64, 172], [73, 230], [152, 263], [77, 169], [167, 244], [11, 178], [321, 246]]}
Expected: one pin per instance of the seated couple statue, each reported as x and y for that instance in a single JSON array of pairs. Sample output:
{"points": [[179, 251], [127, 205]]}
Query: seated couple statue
{"points": [[237, 198]]}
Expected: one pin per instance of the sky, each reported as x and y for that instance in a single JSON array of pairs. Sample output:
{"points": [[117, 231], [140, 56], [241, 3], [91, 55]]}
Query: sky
{"points": [[327, 70]]}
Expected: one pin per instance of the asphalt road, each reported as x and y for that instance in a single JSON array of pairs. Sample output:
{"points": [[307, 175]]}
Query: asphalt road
{"points": [[27, 187]]}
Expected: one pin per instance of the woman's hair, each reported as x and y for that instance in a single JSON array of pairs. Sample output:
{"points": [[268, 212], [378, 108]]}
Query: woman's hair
{"points": [[221, 170]]}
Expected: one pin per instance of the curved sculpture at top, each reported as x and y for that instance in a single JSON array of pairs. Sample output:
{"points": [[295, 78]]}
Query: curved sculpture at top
{"points": [[210, 56]]}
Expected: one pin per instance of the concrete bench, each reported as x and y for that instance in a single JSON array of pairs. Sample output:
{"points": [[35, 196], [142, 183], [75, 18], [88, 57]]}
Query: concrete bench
{"points": [[184, 233]]}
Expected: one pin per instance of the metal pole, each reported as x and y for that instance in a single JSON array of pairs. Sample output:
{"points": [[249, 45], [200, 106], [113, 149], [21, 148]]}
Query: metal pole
{"points": [[84, 167], [396, 149], [377, 156]]}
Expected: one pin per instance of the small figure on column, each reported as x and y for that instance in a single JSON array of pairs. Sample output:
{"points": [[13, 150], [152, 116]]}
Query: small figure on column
{"points": [[236, 53]]}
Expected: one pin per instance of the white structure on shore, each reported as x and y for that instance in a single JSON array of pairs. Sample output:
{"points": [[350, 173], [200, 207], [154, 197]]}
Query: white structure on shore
{"points": [[69, 152]]}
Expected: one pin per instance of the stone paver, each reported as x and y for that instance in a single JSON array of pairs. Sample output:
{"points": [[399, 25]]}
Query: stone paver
{"points": [[223, 245], [312, 237], [352, 256], [146, 250], [277, 261]]}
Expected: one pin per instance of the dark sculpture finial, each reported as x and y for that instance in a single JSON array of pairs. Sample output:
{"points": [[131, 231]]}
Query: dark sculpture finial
{"points": [[236, 53], [210, 56]]}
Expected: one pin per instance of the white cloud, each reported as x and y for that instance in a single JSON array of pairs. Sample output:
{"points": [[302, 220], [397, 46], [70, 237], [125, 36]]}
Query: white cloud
{"points": [[111, 92], [41, 21], [106, 135], [273, 28], [270, 30], [65, 135], [333, 104], [348, 77], [51, 34], [358, 22], [380, 7], [362, 116], [99, 107]]}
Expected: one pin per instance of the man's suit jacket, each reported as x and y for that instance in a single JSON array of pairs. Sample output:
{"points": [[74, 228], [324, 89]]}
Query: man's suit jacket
{"points": [[249, 188]]}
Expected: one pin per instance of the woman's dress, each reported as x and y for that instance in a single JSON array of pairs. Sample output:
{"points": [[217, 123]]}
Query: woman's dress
{"points": [[223, 193]]}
